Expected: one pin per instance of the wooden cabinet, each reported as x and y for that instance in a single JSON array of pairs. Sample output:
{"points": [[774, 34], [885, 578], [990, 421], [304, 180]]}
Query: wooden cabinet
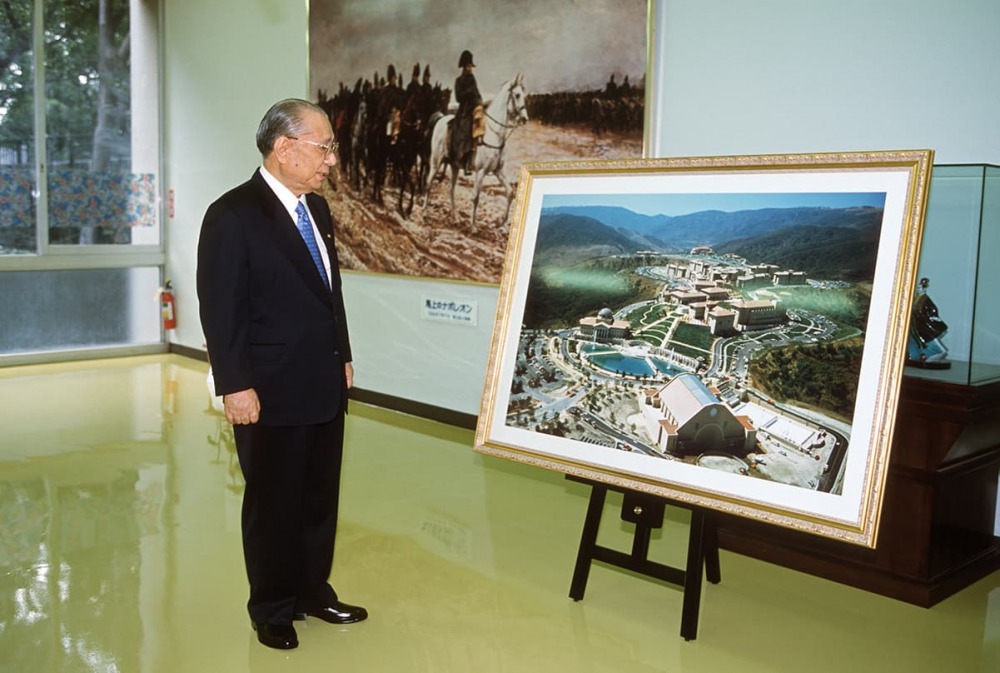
{"points": [[936, 532]]}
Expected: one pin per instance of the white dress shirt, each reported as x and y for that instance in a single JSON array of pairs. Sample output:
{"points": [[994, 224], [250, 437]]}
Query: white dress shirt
{"points": [[290, 203]]}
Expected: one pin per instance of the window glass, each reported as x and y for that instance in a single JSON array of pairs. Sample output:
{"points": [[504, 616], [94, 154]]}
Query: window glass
{"points": [[98, 182], [94, 197], [17, 134], [80, 250], [79, 308]]}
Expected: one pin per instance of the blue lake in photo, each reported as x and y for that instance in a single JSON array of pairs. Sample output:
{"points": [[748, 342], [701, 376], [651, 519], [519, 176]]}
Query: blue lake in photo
{"points": [[665, 367], [615, 362]]}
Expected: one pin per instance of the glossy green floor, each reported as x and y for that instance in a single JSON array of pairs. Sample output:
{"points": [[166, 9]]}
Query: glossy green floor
{"points": [[120, 551]]}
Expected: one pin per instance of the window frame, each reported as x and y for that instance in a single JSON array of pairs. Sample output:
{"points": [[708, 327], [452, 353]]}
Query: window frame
{"points": [[91, 256]]}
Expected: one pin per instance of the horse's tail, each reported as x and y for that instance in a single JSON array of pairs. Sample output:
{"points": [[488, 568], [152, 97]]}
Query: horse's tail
{"points": [[433, 119], [429, 131]]}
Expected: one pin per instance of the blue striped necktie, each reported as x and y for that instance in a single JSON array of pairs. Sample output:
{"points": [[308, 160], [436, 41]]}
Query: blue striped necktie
{"points": [[306, 229]]}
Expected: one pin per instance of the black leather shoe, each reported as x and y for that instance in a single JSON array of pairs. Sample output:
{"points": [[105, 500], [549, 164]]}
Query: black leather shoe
{"points": [[278, 636], [336, 613]]}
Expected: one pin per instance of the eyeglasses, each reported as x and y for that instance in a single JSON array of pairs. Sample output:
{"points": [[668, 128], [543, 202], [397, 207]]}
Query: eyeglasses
{"points": [[327, 149]]}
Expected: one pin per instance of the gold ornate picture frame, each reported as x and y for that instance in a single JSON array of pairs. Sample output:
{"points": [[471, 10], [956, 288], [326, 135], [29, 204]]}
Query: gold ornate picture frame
{"points": [[727, 332]]}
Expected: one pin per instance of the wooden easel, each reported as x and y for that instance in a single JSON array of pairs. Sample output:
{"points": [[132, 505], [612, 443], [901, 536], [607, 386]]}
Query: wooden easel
{"points": [[646, 512]]}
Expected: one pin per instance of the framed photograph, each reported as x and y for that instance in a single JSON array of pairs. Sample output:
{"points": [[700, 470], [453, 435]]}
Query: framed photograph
{"points": [[727, 332], [426, 182]]}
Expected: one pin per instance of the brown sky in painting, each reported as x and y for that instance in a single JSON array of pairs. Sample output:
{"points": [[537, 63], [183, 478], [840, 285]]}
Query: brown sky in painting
{"points": [[559, 45]]}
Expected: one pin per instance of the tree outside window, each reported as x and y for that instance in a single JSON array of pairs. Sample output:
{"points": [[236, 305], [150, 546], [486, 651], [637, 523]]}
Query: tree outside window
{"points": [[91, 193]]}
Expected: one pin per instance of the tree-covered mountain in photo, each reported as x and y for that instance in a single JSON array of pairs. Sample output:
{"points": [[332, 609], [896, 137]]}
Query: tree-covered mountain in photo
{"points": [[827, 243], [582, 260]]}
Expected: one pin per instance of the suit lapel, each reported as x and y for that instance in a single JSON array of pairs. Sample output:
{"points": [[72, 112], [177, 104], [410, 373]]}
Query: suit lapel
{"points": [[288, 240]]}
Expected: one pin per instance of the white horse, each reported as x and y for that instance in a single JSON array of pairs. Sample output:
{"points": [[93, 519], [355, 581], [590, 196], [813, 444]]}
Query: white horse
{"points": [[504, 113]]}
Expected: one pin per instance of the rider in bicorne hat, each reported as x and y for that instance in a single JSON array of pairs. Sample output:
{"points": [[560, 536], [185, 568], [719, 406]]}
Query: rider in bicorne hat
{"points": [[463, 148]]}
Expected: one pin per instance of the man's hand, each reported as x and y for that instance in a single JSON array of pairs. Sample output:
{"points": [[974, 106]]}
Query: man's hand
{"points": [[349, 373], [242, 408]]}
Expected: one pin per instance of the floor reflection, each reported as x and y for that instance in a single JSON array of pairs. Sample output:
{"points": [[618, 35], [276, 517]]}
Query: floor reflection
{"points": [[120, 550], [73, 563]]}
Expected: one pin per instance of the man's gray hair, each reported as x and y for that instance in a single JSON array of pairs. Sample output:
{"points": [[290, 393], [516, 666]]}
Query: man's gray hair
{"points": [[285, 118]]}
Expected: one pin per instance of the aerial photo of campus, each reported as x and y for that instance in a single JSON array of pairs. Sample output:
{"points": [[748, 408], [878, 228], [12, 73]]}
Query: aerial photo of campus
{"points": [[723, 330]]}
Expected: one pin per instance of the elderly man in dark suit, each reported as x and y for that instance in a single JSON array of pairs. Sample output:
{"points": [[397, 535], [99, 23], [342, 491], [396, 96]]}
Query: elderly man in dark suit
{"points": [[273, 316]]}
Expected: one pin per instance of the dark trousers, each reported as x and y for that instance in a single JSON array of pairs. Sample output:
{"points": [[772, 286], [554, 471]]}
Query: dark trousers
{"points": [[292, 476]]}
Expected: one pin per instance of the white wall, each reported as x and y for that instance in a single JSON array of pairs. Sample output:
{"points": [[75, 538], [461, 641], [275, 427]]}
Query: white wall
{"points": [[776, 76], [397, 352], [732, 77], [225, 63]]}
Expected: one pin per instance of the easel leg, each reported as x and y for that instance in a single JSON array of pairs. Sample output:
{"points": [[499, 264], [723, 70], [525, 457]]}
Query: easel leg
{"points": [[692, 577], [713, 571], [640, 541], [588, 541], [646, 513]]}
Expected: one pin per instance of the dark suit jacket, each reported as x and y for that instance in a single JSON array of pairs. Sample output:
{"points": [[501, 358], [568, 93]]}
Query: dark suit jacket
{"points": [[269, 321]]}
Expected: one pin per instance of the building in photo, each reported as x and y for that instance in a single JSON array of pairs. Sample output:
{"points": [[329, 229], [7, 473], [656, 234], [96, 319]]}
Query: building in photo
{"points": [[604, 327], [685, 417], [721, 321], [758, 314]]}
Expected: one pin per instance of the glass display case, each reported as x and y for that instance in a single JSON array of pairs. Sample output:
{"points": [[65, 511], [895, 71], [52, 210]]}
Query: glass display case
{"points": [[961, 241]]}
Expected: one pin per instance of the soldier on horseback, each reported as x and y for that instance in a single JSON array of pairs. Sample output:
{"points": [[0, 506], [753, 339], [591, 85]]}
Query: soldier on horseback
{"points": [[413, 88], [391, 101], [425, 84], [389, 105], [465, 135]]}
